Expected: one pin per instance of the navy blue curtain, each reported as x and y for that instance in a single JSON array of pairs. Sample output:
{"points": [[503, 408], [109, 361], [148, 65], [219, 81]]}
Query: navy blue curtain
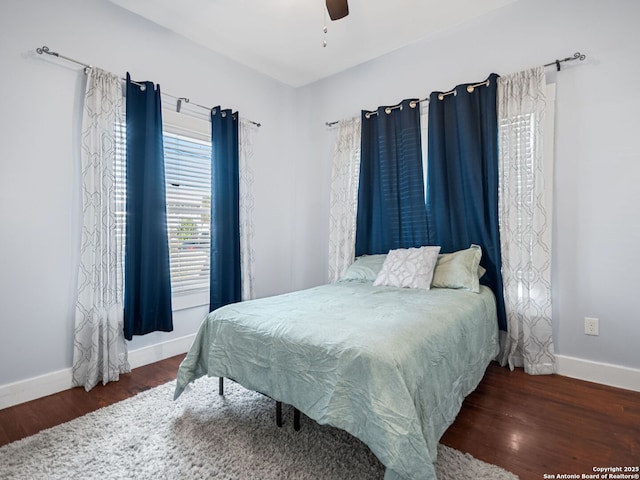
{"points": [[147, 278], [462, 178], [391, 206], [225, 282]]}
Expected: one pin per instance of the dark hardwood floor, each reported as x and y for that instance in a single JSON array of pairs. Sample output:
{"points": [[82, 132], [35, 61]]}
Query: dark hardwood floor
{"points": [[529, 425], [536, 425]]}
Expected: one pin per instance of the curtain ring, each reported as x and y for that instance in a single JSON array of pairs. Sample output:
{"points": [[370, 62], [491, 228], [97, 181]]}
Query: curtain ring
{"points": [[224, 114], [367, 115], [413, 104], [387, 110], [440, 96], [214, 111], [470, 88]]}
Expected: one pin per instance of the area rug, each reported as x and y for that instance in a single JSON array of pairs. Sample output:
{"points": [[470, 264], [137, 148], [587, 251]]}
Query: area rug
{"points": [[205, 436]]}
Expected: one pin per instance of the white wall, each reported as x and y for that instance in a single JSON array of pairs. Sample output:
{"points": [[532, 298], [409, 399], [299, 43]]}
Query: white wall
{"points": [[39, 160], [597, 227]]}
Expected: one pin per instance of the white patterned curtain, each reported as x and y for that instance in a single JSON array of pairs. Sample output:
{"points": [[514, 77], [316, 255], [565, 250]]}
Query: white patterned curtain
{"points": [[343, 208], [246, 134], [525, 203], [100, 352]]}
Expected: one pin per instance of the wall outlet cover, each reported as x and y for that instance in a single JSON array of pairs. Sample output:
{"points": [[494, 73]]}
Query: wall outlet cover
{"points": [[591, 326]]}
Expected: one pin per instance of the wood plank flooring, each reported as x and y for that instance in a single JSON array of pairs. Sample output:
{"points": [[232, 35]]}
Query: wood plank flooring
{"points": [[529, 425], [537, 425]]}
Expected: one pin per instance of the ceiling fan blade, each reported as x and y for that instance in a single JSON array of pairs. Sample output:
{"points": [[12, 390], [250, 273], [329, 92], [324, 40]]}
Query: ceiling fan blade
{"points": [[337, 9]]}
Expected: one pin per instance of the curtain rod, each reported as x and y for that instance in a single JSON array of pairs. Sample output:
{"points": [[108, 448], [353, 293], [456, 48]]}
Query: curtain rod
{"points": [[470, 88], [576, 56], [45, 49]]}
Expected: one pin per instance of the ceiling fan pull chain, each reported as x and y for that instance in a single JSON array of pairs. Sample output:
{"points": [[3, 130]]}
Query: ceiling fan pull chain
{"points": [[325, 30]]}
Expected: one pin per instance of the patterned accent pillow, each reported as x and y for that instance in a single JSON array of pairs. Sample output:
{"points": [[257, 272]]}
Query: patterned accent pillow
{"points": [[408, 268]]}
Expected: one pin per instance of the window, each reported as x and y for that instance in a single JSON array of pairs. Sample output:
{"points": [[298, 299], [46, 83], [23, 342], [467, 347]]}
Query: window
{"points": [[424, 138], [517, 135], [187, 157]]}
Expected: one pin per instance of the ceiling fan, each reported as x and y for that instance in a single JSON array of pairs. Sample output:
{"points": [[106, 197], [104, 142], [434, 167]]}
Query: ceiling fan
{"points": [[337, 9]]}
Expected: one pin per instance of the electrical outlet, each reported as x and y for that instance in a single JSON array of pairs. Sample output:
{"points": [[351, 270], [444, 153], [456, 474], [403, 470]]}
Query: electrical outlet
{"points": [[591, 326]]}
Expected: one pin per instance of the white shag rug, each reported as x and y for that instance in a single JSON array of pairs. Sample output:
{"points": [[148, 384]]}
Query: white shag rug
{"points": [[205, 436]]}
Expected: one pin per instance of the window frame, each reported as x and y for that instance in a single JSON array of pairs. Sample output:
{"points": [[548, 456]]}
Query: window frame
{"points": [[174, 123]]}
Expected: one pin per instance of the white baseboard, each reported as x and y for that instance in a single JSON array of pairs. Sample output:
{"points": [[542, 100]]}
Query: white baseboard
{"points": [[35, 387], [160, 351], [54, 382], [603, 373]]}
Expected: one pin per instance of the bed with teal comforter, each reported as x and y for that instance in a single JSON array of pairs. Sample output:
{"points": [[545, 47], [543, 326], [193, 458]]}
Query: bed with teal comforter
{"points": [[389, 365]]}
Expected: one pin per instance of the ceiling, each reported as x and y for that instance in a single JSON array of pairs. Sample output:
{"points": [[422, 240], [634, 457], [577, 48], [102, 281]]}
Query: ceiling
{"points": [[284, 38]]}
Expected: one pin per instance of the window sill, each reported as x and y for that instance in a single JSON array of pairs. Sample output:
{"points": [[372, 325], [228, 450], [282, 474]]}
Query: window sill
{"points": [[189, 300]]}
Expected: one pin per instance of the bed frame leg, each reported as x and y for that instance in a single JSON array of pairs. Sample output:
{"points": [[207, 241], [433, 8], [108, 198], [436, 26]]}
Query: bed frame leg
{"points": [[296, 419], [279, 414], [296, 413]]}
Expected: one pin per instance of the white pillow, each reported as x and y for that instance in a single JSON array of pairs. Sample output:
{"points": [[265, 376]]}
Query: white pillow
{"points": [[408, 268]]}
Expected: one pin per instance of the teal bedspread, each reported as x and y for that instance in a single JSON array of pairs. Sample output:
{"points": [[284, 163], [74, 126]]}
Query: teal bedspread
{"points": [[391, 366]]}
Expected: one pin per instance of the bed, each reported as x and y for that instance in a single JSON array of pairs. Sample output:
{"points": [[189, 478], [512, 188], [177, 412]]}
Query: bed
{"points": [[389, 365]]}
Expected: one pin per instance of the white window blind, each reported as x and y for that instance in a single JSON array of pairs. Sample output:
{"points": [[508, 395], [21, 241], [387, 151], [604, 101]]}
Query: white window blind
{"points": [[187, 157], [121, 183], [517, 133]]}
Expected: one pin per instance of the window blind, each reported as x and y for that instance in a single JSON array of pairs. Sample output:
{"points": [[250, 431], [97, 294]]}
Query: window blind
{"points": [[187, 157]]}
